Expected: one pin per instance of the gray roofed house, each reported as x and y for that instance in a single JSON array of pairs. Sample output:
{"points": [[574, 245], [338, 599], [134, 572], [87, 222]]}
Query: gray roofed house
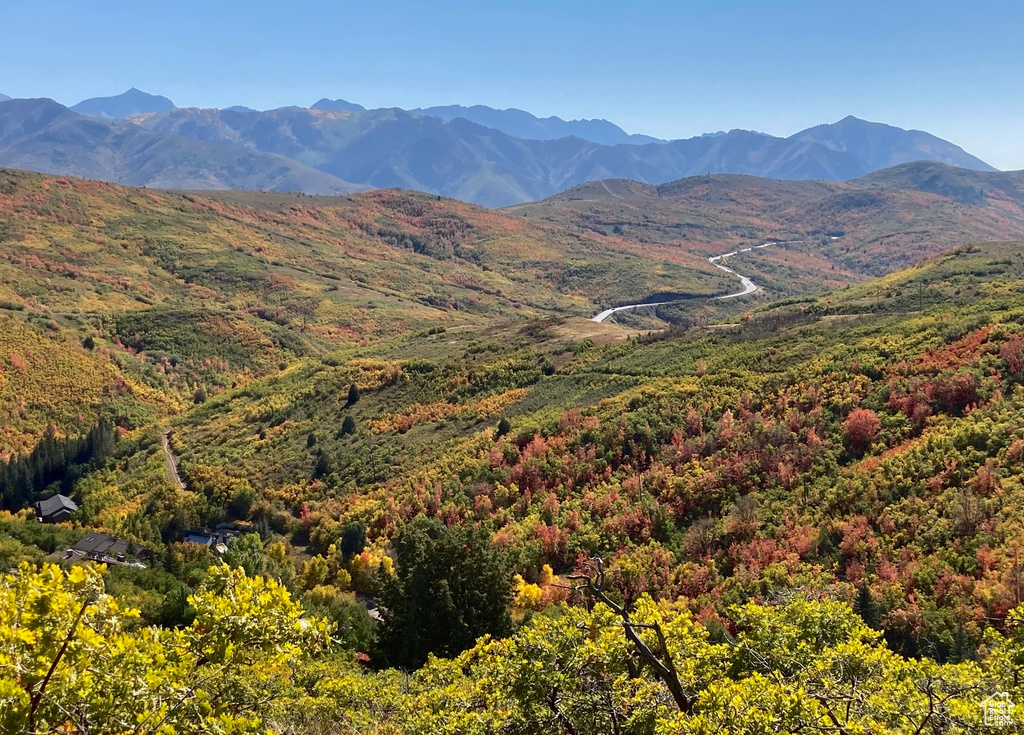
{"points": [[55, 509], [216, 540], [103, 547]]}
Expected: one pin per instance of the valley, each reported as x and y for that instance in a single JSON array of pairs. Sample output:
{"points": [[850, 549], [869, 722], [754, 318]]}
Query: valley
{"points": [[819, 429], [511, 369], [748, 286]]}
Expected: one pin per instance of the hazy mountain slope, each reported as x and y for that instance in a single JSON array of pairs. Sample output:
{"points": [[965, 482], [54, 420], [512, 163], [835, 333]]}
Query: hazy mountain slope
{"points": [[42, 135], [311, 136], [338, 104], [4, 98], [739, 152], [459, 158], [522, 124], [394, 148], [132, 102], [879, 146]]}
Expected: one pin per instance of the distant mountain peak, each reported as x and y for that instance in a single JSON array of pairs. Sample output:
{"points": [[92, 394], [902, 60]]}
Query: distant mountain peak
{"points": [[4, 98], [880, 145], [338, 104], [132, 102]]}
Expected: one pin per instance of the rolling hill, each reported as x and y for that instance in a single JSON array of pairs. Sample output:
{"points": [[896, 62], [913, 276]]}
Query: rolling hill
{"points": [[333, 376], [207, 289], [783, 450], [868, 226], [184, 291]]}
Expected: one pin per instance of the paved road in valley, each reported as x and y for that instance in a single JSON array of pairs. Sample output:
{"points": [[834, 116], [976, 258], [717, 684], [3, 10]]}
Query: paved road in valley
{"points": [[748, 285]]}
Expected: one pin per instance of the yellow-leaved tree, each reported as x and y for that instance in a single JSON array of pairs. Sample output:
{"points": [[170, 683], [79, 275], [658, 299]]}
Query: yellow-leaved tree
{"points": [[72, 660]]}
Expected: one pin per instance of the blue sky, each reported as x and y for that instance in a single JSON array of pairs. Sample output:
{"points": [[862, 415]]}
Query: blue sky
{"points": [[671, 69]]}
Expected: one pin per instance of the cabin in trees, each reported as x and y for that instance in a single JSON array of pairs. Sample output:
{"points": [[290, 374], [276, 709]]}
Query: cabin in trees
{"points": [[55, 509]]}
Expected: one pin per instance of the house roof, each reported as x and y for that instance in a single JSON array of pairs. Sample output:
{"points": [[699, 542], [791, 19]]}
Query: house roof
{"points": [[105, 544], [55, 504]]}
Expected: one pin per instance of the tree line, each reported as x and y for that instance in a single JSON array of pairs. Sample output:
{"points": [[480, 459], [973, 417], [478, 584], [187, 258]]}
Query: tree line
{"points": [[24, 477]]}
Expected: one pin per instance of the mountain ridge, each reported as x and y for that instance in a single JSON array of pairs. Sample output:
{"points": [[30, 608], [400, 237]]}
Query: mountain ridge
{"points": [[318, 150], [525, 125], [47, 137]]}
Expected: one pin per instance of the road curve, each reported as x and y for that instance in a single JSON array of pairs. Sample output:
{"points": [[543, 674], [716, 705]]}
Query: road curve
{"points": [[748, 285]]}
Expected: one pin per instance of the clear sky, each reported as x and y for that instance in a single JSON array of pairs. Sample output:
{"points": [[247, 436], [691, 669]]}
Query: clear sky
{"points": [[670, 69]]}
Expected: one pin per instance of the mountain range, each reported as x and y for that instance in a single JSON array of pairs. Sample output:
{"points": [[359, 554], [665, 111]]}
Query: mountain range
{"points": [[42, 135], [521, 124], [477, 154]]}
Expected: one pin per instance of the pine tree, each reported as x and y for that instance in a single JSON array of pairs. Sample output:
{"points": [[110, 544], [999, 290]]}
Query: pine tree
{"points": [[867, 608], [323, 466], [348, 426], [962, 647], [451, 586]]}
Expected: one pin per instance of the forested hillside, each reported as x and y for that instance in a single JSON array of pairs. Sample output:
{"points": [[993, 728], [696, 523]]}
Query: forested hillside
{"points": [[177, 293], [868, 443], [451, 503]]}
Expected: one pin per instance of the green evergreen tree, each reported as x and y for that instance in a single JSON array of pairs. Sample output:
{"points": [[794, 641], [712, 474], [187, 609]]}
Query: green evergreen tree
{"points": [[451, 586], [962, 647], [353, 540], [867, 608], [323, 465], [348, 426]]}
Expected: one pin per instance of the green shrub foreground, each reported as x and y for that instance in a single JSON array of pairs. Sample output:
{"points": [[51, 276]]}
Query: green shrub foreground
{"points": [[72, 660]]}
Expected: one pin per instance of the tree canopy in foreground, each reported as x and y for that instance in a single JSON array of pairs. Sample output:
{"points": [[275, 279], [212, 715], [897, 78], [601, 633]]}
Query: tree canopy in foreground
{"points": [[74, 661]]}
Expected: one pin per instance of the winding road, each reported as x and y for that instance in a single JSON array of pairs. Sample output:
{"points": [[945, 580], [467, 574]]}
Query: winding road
{"points": [[172, 462], [748, 285]]}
